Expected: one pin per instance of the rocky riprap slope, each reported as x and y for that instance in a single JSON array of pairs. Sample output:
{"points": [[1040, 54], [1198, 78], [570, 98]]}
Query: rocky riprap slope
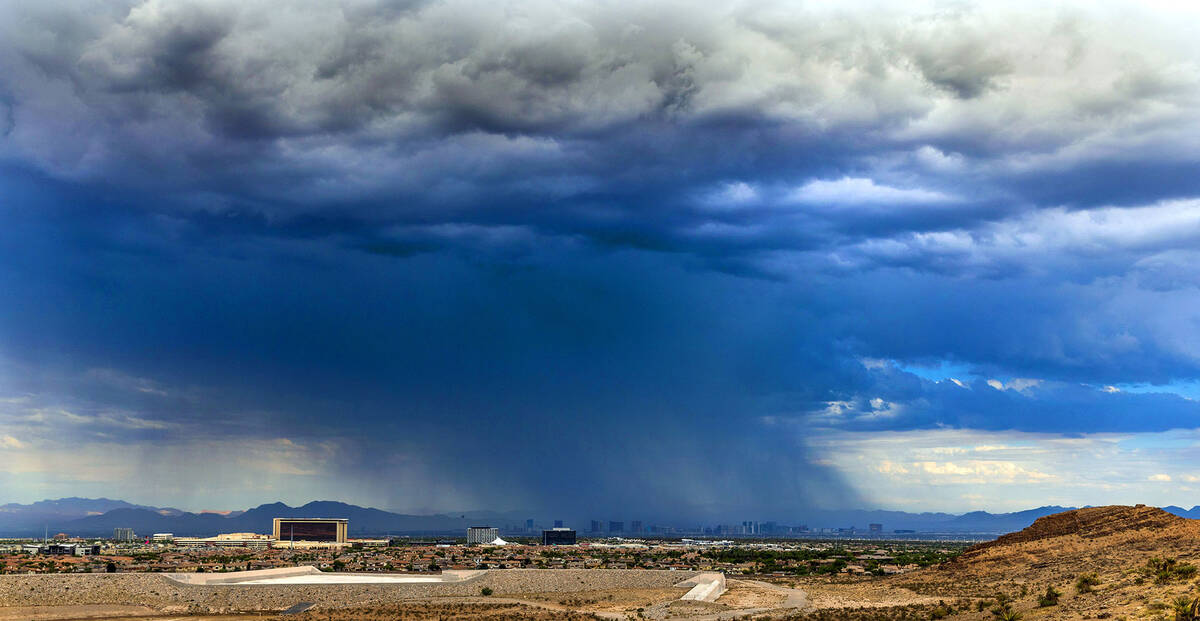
{"points": [[162, 593]]}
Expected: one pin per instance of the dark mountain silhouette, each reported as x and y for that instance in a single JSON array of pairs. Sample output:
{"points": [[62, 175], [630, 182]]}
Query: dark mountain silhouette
{"points": [[973, 522], [32, 519], [145, 522], [1193, 513], [363, 521], [983, 521]]}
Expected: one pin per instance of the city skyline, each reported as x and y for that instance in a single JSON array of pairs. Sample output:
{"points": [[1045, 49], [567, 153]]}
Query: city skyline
{"points": [[693, 261]]}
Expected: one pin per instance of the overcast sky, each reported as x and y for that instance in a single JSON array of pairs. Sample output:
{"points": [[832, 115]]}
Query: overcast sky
{"points": [[605, 257]]}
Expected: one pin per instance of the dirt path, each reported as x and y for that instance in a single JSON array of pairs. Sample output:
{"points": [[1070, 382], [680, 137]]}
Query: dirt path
{"points": [[782, 599], [537, 604], [55, 613], [796, 598]]}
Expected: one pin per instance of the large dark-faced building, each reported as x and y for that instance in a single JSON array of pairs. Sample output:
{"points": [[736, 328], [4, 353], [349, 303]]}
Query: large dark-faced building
{"points": [[558, 537], [331, 530]]}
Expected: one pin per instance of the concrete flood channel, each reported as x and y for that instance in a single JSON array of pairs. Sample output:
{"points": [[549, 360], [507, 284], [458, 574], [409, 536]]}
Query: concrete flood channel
{"points": [[705, 587], [312, 575]]}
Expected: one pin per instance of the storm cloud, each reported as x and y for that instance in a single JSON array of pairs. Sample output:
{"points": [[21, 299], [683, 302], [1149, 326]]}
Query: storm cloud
{"points": [[450, 254]]}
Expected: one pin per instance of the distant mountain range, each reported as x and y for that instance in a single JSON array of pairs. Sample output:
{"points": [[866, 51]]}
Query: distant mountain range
{"points": [[973, 522], [99, 516], [33, 517], [1193, 513]]}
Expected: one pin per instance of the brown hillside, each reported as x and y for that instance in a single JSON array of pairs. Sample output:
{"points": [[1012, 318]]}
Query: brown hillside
{"points": [[1114, 542], [1095, 523]]}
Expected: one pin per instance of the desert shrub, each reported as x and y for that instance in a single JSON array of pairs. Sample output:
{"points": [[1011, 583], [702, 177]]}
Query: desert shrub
{"points": [[486, 591], [1087, 582], [1050, 597], [1005, 612], [1165, 570], [1186, 608]]}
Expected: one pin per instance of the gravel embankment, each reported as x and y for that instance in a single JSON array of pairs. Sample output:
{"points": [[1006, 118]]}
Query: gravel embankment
{"points": [[160, 592]]}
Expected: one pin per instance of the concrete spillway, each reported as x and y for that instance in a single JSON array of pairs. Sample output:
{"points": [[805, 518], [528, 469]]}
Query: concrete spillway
{"points": [[706, 587]]}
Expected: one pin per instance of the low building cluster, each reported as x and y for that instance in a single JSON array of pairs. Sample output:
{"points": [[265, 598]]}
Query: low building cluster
{"points": [[405, 555], [323, 543]]}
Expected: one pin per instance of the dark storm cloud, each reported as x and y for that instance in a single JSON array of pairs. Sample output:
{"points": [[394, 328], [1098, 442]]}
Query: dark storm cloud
{"points": [[443, 364], [301, 108], [451, 237]]}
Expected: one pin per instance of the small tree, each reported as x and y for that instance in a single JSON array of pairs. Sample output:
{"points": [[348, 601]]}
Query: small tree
{"points": [[1087, 583], [486, 591], [1050, 598]]}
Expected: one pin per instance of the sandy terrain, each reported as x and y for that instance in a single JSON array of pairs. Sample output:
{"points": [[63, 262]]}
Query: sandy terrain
{"points": [[41, 613], [610, 600], [108, 613], [752, 594], [1114, 543], [859, 593], [159, 592]]}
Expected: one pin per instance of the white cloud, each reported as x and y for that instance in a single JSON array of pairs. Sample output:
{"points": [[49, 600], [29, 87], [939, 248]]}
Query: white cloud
{"points": [[9, 442], [1021, 470], [860, 191], [1019, 384], [734, 194]]}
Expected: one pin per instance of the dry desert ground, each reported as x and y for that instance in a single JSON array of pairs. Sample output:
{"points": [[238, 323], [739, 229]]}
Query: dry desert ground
{"points": [[1098, 563]]}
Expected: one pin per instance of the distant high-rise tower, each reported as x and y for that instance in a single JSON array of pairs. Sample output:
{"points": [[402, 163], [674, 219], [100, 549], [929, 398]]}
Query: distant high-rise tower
{"points": [[635, 527], [595, 526], [616, 527], [875, 528], [529, 525]]}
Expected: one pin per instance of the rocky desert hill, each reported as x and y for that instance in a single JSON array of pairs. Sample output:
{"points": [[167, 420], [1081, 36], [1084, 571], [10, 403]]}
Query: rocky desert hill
{"points": [[1137, 560], [1095, 523]]}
